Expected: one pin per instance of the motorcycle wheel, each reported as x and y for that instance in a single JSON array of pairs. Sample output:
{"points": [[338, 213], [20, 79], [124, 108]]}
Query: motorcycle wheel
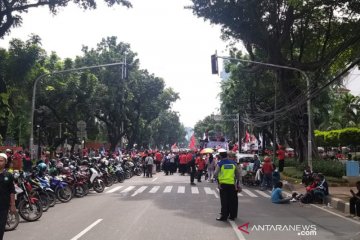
{"points": [[51, 198], [109, 181], [79, 191], [12, 221], [30, 211], [138, 172], [127, 174], [64, 194], [98, 186], [44, 199], [86, 189], [120, 178]]}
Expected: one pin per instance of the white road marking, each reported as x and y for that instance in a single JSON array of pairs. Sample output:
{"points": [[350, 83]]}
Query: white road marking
{"points": [[128, 189], [240, 195], [210, 191], [86, 230], [237, 231], [154, 179], [139, 190], [114, 189], [154, 189], [181, 189], [167, 189], [349, 219], [262, 193], [249, 193], [194, 190]]}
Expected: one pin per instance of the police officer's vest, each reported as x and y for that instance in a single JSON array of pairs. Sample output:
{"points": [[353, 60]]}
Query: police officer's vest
{"points": [[227, 174]]}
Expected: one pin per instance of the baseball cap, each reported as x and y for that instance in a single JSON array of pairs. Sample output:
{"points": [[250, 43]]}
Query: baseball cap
{"points": [[3, 155]]}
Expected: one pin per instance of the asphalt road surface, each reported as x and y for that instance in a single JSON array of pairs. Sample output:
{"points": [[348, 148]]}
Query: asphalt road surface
{"points": [[167, 207]]}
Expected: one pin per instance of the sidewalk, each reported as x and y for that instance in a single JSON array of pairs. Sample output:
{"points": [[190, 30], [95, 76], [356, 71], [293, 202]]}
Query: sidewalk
{"points": [[338, 197]]}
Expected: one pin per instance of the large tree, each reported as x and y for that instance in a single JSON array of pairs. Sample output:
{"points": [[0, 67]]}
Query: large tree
{"points": [[11, 11], [316, 36]]}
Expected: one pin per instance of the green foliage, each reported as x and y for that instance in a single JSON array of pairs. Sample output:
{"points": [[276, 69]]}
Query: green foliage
{"points": [[11, 11], [331, 168], [334, 138], [318, 37]]}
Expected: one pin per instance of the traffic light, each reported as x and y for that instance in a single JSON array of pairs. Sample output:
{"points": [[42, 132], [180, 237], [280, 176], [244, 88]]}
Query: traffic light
{"points": [[214, 64]]}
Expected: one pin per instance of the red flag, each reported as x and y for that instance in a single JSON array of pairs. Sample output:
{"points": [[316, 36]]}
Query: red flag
{"points": [[247, 136], [192, 143]]}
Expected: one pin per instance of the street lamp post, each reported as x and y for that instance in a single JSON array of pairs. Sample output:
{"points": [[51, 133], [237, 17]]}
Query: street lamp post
{"points": [[54, 73], [309, 148]]}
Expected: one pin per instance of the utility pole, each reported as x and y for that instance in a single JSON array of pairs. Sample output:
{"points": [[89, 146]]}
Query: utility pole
{"points": [[274, 131], [55, 73], [214, 67]]}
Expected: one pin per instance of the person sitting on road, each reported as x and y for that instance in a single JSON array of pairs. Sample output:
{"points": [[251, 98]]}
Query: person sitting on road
{"points": [[321, 190], [277, 196], [307, 178], [355, 202]]}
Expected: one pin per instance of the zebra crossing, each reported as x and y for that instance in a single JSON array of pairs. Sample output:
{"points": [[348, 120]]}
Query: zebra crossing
{"points": [[133, 190]]}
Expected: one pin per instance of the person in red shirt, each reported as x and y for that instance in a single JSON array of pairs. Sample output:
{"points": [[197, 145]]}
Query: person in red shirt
{"points": [[182, 163], [17, 163], [267, 170], [189, 157], [158, 159], [200, 163], [281, 158]]}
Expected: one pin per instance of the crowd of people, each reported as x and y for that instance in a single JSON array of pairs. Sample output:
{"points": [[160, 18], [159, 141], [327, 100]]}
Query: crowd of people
{"points": [[220, 166]]}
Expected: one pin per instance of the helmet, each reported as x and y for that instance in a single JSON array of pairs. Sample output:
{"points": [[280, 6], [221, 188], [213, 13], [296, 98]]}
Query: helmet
{"points": [[41, 166], [85, 162], [52, 162], [104, 161], [66, 170]]}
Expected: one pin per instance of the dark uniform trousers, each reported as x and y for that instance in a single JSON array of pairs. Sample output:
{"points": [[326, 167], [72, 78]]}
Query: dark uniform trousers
{"points": [[229, 201], [3, 219]]}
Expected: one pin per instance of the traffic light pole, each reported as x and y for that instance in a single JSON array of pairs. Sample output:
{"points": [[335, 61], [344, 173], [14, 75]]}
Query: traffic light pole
{"points": [[215, 70], [55, 73]]}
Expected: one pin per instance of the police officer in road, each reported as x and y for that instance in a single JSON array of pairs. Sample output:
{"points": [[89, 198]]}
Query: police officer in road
{"points": [[228, 177], [7, 194]]}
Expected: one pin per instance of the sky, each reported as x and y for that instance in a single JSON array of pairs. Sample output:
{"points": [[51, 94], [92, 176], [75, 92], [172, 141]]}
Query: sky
{"points": [[170, 41]]}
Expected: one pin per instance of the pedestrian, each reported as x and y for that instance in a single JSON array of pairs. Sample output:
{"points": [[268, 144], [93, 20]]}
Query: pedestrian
{"points": [[200, 163], [281, 158], [355, 202], [158, 159], [182, 162], [7, 194], [267, 170], [211, 168], [277, 196], [172, 167], [27, 164], [191, 165], [149, 160], [228, 177]]}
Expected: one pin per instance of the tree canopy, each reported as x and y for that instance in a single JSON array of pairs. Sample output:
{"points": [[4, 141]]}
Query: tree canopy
{"points": [[320, 37], [11, 11]]}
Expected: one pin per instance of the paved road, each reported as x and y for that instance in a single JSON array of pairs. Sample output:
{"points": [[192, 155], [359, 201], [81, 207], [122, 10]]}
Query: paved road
{"points": [[167, 207]]}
